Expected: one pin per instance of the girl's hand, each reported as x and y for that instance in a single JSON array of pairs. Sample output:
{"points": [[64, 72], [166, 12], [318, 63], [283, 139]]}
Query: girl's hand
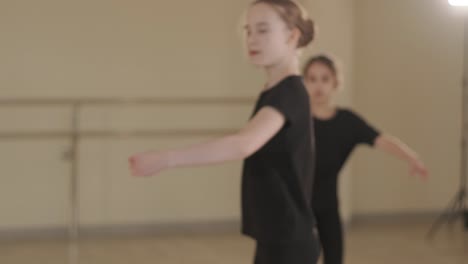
{"points": [[147, 164], [418, 168]]}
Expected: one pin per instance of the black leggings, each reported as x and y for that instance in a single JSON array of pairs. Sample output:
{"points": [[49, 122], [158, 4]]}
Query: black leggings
{"points": [[330, 232], [306, 252]]}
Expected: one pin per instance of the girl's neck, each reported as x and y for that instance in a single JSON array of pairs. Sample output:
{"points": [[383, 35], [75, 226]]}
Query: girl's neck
{"points": [[324, 111], [277, 72]]}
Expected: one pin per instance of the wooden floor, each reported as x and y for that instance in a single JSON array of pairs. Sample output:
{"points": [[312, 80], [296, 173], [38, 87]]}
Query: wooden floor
{"points": [[366, 244]]}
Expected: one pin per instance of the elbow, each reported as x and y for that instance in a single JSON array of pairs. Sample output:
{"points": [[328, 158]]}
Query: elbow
{"points": [[383, 141], [247, 150], [390, 141], [244, 147]]}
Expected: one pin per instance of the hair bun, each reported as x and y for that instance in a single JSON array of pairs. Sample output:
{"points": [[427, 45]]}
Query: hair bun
{"points": [[307, 28]]}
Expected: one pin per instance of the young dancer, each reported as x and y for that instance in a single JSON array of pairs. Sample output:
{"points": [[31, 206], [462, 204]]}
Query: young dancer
{"points": [[337, 132], [276, 143]]}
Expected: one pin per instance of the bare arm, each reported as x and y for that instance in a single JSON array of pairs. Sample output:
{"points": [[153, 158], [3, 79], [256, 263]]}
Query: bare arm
{"points": [[396, 147], [257, 132]]}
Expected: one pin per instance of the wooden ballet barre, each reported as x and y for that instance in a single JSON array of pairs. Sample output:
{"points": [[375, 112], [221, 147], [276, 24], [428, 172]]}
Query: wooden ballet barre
{"points": [[19, 135], [75, 134], [125, 101]]}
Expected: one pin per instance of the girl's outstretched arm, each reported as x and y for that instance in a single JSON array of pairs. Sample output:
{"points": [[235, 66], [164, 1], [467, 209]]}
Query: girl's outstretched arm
{"points": [[257, 132], [399, 149]]}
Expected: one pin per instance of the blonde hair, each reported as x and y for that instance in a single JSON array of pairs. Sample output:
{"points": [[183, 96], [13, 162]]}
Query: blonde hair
{"points": [[294, 16]]}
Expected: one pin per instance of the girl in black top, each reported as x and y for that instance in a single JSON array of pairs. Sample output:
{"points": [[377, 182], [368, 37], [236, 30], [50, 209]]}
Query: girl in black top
{"points": [[276, 143], [337, 132]]}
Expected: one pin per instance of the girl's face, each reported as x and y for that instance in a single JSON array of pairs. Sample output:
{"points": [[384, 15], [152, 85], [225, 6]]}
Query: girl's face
{"points": [[321, 83], [268, 39]]}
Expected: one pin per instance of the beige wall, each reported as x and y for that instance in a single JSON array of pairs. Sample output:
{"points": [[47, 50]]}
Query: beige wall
{"points": [[93, 49], [98, 49], [121, 48], [408, 62]]}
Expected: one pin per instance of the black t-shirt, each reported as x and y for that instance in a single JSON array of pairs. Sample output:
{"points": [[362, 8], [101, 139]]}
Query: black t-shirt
{"points": [[277, 179], [335, 139]]}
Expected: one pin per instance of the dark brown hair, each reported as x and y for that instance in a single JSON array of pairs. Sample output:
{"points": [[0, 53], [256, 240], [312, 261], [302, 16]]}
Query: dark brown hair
{"points": [[294, 16], [328, 61], [324, 60]]}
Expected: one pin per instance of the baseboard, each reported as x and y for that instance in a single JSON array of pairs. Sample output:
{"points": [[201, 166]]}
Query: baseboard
{"points": [[33, 233], [143, 229], [393, 217], [179, 228], [184, 228]]}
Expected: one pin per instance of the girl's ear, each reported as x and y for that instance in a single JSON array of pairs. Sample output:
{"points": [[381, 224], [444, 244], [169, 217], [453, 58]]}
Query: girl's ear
{"points": [[294, 36], [337, 84]]}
